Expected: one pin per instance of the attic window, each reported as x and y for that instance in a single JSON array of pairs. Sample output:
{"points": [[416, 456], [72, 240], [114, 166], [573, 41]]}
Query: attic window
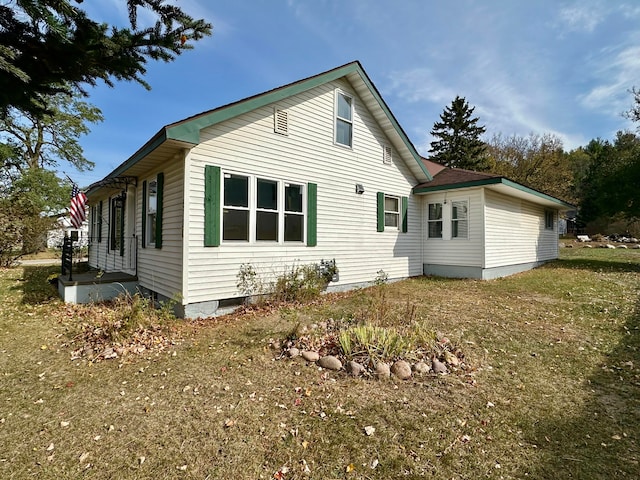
{"points": [[387, 154], [281, 122]]}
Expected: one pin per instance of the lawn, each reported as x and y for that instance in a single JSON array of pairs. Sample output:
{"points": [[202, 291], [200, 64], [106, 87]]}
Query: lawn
{"points": [[553, 390]]}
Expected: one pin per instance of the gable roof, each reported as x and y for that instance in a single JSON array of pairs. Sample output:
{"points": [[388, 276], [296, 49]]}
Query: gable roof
{"points": [[456, 178], [186, 133]]}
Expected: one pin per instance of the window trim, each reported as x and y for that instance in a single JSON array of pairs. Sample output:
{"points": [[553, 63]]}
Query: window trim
{"points": [[549, 215], [150, 226], [250, 202], [439, 220], [453, 220], [397, 212], [252, 185], [116, 225], [337, 118]]}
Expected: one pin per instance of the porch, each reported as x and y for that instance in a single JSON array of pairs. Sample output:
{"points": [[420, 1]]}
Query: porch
{"points": [[95, 286]]}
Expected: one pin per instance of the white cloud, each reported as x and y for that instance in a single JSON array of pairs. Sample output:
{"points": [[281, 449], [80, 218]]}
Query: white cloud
{"points": [[582, 17], [616, 73]]}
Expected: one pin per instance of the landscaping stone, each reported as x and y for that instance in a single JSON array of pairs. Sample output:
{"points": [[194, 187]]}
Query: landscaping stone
{"points": [[382, 370], [330, 363], [636, 246], [293, 352], [622, 246], [421, 368], [401, 369], [310, 356], [451, 359], [354, 368], [438, 366]]}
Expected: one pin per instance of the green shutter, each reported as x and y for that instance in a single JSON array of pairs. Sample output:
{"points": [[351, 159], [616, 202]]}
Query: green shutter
{"points": [[100, 223], [380, 211], [160, 181], [405, 208], [312, 215], [144, 214], [211, 206]]}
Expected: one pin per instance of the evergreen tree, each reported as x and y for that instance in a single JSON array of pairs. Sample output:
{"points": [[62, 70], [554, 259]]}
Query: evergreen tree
{"points": [[51, 46], [458, 141]]}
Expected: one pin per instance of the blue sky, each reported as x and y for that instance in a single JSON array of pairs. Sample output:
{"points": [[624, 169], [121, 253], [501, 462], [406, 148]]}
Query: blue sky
{"points": [[544, 66]]}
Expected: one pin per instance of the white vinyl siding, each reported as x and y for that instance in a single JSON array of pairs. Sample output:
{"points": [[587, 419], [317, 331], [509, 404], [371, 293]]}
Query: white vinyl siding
{"points": [[448, 250], [516, 232], [346, 221], [160, 269]]}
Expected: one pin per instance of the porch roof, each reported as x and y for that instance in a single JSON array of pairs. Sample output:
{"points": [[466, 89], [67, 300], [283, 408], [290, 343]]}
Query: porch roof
{"points": [[457, 178]]}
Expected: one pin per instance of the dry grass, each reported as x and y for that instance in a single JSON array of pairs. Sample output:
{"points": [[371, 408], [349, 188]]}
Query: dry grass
{"points": [[556, 393]]}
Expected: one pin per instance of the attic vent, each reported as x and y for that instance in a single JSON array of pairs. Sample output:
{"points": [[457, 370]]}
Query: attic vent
{"points": [[386, 154], [281, 122]]}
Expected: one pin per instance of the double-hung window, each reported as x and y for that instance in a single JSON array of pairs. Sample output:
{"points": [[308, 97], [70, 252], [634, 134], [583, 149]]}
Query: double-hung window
{"points": [[262, 210], [152, 211], [549, 220], [293, 213], [95, 223], [435, 220], [267, 210], [235, 212], [391, 211], [344, 119], [459, 220]]}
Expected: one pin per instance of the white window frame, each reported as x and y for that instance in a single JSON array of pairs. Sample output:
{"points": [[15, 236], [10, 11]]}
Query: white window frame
{"points": [[151, 213], [277, 210], [95, 222], [286, 212], [456, 221], [395, 213], [439, 220], [250, 202], [549, 215], [253, 209], [338, 118]]}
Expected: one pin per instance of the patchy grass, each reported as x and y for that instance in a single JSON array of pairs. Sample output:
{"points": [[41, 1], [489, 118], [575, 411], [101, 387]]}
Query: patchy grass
{"points": [[556, 391]]}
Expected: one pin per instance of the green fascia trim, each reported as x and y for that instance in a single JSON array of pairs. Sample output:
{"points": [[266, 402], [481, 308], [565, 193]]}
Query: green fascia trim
{"points": [[494, 181], [531, 191], [453, 186]]}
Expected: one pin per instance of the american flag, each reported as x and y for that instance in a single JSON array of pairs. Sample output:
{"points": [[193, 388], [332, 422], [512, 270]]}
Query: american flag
{"points": [[78, 204]]}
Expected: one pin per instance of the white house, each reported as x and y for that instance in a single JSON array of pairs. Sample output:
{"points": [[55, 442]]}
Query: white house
{"points": [[315, 170]]}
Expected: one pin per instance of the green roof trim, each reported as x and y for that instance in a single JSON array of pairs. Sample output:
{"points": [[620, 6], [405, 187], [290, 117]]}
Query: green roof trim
{"points": [[493, 181]]}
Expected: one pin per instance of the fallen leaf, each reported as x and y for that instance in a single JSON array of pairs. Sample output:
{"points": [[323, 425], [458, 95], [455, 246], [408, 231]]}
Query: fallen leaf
{"points": [[50, 447], [350, 468], [64, 424], [229, 423], [374, 463], [84, 456], [182, 467], [369, 430], [141, 460]]}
